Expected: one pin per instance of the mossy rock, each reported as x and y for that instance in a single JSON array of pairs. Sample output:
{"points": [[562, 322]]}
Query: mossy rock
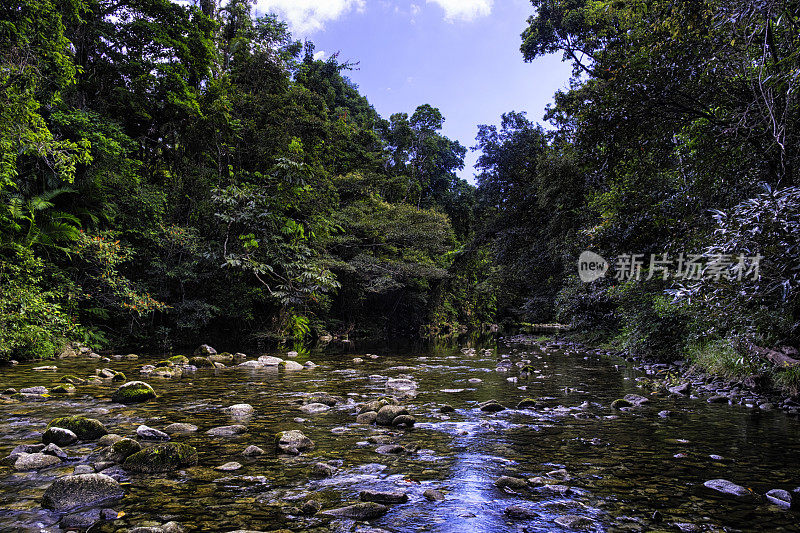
{"points": [[72, 379], [122, 449], [164, 364], [526, 403], [64, 388], [165, 457], [119, 377], [179, 360], [201, 362], [84, 428], [133, 392], [619, 404]]}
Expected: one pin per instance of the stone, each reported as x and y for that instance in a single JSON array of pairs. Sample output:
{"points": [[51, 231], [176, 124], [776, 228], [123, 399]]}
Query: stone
{"points": [[148, 433], [83, 469], [81, 490], [728, 488], [636, 399], [59, 436], [518, 512], [85, 429], [359, 511], [55, 451], [384, 497], [268, 360], [122, 449], [293, 442], [310, 507], [433, 495], [390, 449], [290, 366], [314, 408], [575, 522], [527, 403], [405, 421], [227, 431], [109, 439], [201, 362], [367, 418], [252, 451], [240, 410], [83, 520], [683, 389], [388, 413], [204, 350], [34, 461], [64, 388], [162, 458], [133, 392], [34, 390], [322, 470], [491, 406], [511, 483], [620, 403], [781, 498], [229, 467], [718, 398], [251, 364], [323, 397], [180, 427], [401, 387]]}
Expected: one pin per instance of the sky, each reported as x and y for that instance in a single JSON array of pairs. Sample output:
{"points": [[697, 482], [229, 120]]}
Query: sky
{"points": [[461, 56]]}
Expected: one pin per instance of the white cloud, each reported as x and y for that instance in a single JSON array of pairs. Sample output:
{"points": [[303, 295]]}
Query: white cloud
{"points": [[464, 9], [319, 55], [307, 16]]}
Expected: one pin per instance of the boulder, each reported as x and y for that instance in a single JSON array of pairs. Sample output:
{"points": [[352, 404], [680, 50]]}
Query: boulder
{"points": [[252, 451], [293, 442], [121, 450], [204, 350], [268, 360], [35, 461], [59, 436], [367, 418], [148, 433], [71, 492], [133, 392], [227, 431], [433, 495], [404, 421], [728, 488], [180, 427], [229, 467], [518, 512], [314, 408], [388, 413], [201, 362], [290, 366], [491, 406], [384, 497], [240, 410], [162, 458], [359, 511], [84, 428], [511, 483]]}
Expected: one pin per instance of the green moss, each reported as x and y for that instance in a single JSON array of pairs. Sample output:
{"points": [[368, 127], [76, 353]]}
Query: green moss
{"points": [[526, 403], [179, 360], [64, 388], [618, 404], [119, 377], [122, 449], [84, 428], [201, 362], [162, 458], [133, 392], [162, 364], [71, 378]]}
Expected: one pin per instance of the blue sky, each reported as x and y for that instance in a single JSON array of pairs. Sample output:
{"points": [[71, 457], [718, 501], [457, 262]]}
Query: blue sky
{"points": [[461, 56]]}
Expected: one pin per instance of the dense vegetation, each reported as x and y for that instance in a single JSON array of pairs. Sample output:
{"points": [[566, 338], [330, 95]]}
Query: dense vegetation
{"points": [[172, 172], [679, 134]]}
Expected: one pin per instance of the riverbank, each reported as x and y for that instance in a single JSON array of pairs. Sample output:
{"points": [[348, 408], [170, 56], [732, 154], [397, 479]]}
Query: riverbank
{"points": [[694, 378]]}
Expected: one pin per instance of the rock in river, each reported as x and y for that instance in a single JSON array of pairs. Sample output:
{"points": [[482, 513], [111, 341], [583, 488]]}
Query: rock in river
{"points": [[34, 461], [359, 511], [84, 428], [59, 436], [133, 392], [293, 442], [388, 413], [729, 488], [70, 492], [227, 431], [162, 458], [386, 497], [148, 433], [314, 408]]}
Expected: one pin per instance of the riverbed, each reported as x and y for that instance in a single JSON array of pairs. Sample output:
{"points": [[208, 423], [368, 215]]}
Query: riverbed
{"points": [[586, 466]]}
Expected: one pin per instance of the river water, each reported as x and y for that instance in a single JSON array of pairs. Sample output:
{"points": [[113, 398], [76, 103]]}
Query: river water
{"points": [[621, 467]]}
